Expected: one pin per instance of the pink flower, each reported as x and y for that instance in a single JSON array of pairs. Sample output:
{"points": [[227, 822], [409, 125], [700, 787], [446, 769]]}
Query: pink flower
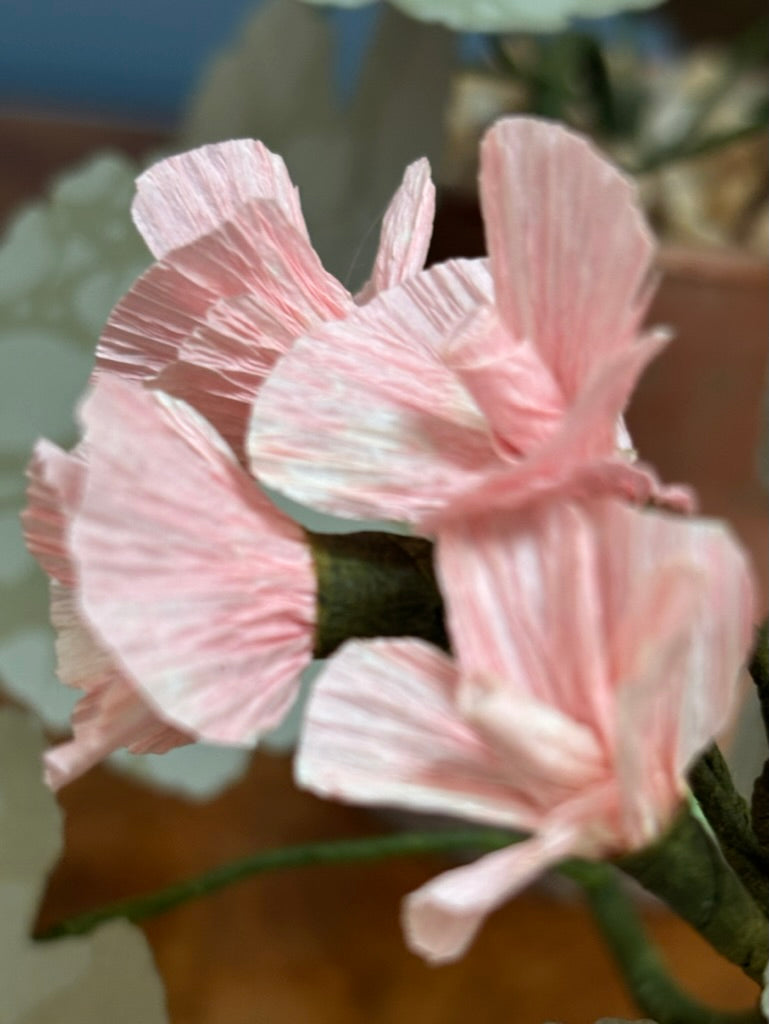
{"points": [[596, 653], [477, 384], [237, 279], [184, 601]]}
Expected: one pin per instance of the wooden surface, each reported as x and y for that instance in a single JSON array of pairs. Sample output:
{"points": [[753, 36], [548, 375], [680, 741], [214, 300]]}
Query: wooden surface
{"points": [[322, 945]]}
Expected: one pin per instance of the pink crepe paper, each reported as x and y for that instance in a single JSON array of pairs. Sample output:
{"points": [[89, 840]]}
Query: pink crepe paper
{"points": [[481, 384], [184, 600], [237, 279], [597, 649], [112, 713]]}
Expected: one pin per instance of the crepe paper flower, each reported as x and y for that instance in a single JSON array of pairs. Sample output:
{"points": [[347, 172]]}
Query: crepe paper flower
{"points": [[597, 650], [64, 262], [107, 975], [504, 15], [184, 600], [237, 278], [479, 384]]}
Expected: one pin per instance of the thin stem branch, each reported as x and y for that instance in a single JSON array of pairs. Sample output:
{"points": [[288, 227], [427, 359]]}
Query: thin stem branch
{"points": [[640, 964], [338, 851]]}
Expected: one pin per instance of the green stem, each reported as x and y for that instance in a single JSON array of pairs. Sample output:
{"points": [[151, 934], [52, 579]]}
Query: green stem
{"points": [[375, 584], [338, 851], [640, 964], [728, 815], [687, 871], [759, 670]]}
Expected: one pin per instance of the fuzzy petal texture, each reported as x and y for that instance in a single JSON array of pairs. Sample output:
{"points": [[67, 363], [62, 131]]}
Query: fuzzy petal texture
{"points": [[185, 197], [260, 254], [569, 248], [202, 591], [407, 227], [382, 428]]}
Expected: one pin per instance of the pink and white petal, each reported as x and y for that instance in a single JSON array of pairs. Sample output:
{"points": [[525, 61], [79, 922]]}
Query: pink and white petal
{"points": [[184, 197], [223, 364], [554, 755], [260, 254], [580, 459], [442, 918], [105, 720], [56, 480], [516, 392], [202, 591], [363, 419], [679, 590], [382, 727], [407, 227], [520, 591], [570, 249]]}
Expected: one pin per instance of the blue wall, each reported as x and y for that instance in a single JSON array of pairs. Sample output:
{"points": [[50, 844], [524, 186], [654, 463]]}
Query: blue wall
{"points": [[134, 59]]}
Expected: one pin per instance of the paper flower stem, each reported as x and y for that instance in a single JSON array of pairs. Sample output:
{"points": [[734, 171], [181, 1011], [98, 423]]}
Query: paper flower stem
{"points": [[339, 851], [686, 870], [759, 670], [640, 964], [728, 815], [375, 584]]}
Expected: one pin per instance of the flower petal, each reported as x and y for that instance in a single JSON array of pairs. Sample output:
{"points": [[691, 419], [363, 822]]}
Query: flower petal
{"points": [[679, 605], [56, 481], [406, 231], [362, 418], [570, 250], [180, 199], [524, 608], [442, 918], [112, 714], [382, 727], [201, 589], [579, 460], [260, 254]]}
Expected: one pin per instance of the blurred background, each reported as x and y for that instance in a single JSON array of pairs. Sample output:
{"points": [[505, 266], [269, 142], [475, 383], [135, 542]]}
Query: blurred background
{"points": [[92, 91]]}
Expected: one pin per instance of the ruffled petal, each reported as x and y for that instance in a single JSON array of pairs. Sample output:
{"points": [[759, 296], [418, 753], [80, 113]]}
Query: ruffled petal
{"points": [[679, 606], [112, 714], [202, 591], [383, 727], [442, 918], [260, 254], [407, 227], [363, 419], [514, 389], [569, 247], [525, 608], [180, 199], [56, 481], [579, 460]]}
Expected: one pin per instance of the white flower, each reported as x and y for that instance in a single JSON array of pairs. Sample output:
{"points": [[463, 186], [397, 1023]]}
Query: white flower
{"points": [[108, 975], [505, 15]]}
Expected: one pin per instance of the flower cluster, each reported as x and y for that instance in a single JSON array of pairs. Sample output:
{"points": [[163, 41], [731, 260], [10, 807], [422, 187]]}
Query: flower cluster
{"points": [[594, 642]]}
